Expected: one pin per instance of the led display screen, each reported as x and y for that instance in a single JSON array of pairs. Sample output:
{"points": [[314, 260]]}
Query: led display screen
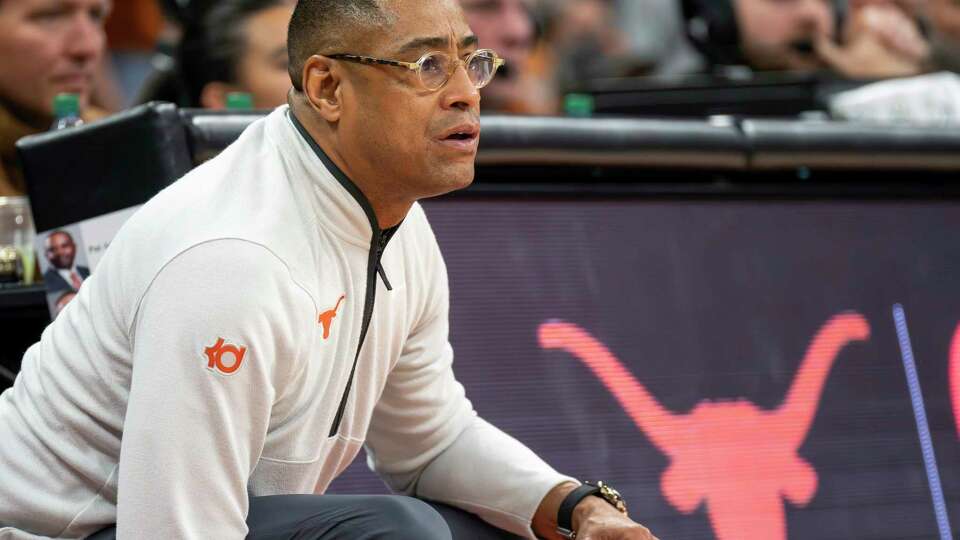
{"points": [[737, 369]]}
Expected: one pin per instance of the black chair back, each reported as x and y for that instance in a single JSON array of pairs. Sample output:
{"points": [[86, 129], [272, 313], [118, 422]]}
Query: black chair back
{"points": [[104, 166]]}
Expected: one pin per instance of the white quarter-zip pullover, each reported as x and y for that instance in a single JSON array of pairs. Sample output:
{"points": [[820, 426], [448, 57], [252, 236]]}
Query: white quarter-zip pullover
{"points": [[207, 357]]}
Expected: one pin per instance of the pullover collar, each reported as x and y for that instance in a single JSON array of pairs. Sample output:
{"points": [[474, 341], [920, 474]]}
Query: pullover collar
{"points": [[346, 209]]}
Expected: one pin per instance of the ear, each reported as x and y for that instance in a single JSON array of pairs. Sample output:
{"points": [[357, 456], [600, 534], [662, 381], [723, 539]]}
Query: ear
{"points": [[322, 87], [214, 95]]}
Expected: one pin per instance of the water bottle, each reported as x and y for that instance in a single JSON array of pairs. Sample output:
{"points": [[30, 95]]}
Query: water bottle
{"points": [[578, 105], [66, 111], [239, 101]]}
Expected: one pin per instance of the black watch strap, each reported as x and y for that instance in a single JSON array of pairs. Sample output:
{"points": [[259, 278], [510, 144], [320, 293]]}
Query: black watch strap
{"points": [[565, 513]]}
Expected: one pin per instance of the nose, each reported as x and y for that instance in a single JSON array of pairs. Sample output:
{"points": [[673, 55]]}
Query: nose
{"points": [[85, 40], [460, 93], [817, 14], [516, 26]]}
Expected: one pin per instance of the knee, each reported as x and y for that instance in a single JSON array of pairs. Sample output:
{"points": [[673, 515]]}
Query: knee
{"points": [[407, 518]]}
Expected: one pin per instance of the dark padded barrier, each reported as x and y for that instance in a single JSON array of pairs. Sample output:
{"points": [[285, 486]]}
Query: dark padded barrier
{"points": [[752, 145], [209, 132], [779, 144], [697, 96], [103, 166], [516, 140], [727, 92]]}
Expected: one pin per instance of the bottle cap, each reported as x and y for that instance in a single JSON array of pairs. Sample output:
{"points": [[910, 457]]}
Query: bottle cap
{"points": [[578, 104], [239, 101], [66, 105]]}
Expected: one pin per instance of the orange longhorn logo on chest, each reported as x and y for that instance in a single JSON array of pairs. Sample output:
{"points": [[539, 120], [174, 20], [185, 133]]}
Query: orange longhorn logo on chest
{"points": [[326, 318]]}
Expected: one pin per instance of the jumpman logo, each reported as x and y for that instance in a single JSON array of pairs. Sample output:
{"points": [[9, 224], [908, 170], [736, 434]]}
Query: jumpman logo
{"points": [[735, 457], [326, 318]]}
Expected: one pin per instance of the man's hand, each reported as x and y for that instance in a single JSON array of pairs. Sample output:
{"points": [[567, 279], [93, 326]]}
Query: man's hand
{"points": [[593, 519], [596, 519], [880, 41]]}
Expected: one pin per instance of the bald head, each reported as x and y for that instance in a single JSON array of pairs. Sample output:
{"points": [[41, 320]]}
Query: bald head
{"points": [[60, 249], [331, 26]]}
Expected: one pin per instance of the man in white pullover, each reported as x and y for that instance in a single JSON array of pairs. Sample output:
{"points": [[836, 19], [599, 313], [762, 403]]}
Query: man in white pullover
{"points": [[283, 304]]}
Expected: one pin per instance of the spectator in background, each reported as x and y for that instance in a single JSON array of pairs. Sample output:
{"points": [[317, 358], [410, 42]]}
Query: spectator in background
{"points": [[507, 26], [876, 38], [238, 46], [133, 30], [46, 47], [881, 39], [780, 34], [586, 42], [655, 37]]}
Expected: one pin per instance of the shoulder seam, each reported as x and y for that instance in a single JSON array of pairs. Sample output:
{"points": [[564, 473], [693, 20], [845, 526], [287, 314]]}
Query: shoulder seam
{"points": [[183, 251]]}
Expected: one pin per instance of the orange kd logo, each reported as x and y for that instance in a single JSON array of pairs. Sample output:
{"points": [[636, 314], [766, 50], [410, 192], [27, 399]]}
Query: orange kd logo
{"points": [[215, 357], [326, 318], [732, 455]]}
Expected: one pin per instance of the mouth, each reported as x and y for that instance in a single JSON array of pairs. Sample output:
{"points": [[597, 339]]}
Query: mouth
{"points": [[803, 47], [73, 81], [462, 137]]}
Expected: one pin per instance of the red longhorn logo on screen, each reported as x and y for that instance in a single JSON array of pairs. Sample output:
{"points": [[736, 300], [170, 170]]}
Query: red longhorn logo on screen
{"points": [[955, 376], [739, 459]]}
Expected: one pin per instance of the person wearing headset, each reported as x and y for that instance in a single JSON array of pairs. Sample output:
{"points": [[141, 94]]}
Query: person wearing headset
{"points": [[870, 39]]}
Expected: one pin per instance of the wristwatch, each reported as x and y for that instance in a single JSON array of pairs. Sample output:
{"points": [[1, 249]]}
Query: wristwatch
{"points": [[600, 489]]}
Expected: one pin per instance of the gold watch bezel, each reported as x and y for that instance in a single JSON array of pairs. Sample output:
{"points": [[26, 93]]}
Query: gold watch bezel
{"points": [[612, 496]]}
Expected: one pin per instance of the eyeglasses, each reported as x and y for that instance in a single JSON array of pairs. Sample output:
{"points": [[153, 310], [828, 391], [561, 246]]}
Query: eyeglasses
{"points": [[434, 69]]}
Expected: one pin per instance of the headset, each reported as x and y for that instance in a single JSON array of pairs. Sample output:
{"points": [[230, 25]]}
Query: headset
{"points": [[711, 26]]}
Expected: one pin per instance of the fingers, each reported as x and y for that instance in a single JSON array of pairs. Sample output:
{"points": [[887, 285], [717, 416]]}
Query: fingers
{"points": [[864, 57], [831, 54], [896, 30], [635, 532]]}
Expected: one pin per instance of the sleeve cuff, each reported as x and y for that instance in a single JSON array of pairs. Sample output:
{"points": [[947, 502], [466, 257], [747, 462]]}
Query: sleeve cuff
{"points": [[491, 474]]}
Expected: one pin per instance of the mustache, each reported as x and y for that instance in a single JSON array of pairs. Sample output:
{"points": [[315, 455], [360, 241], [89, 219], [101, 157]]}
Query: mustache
{"points": [[469, 118]]}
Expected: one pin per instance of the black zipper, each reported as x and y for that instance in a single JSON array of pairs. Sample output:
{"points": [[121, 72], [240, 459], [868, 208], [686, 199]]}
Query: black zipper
{"points": [[378, 243], [380, 239]]}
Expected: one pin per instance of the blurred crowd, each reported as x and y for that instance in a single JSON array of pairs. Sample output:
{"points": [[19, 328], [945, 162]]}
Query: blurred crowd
{"points": [[198, 53]]}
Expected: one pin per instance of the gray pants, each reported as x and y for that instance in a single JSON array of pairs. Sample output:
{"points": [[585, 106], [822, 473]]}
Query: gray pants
{"points": [[356, 517]]}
